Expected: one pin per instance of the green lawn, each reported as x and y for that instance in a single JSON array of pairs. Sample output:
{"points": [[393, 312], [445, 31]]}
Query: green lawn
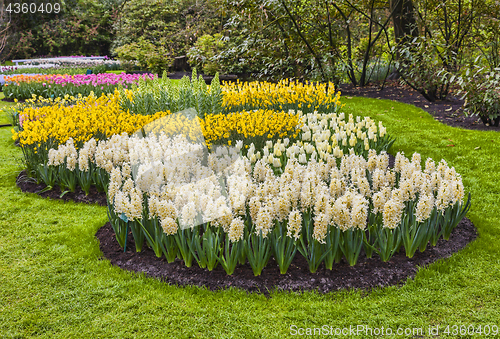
{"points": [[54, 284], [4, 116]]}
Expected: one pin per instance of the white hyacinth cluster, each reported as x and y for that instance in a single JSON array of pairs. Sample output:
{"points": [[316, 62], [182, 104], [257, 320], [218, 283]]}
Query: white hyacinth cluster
{"points": [[177, 181], [343, 195], [322, 135], [311, 181], [105, 154], [168, 175], [333, 193], [66, 154], [439, 187]]}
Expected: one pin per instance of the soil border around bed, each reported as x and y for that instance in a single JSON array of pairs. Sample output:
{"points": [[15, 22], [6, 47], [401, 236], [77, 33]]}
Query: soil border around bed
{"points": [[367, 274], [29, 185]]}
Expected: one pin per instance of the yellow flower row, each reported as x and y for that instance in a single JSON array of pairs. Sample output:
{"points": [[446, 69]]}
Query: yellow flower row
{"points": [[308, 96], [91, 117], [225, 128], [247, 125], [102, 117]]}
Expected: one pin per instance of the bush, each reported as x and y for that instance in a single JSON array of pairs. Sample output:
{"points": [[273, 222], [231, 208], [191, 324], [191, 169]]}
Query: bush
{"points": [[145, 55], [422, 68], [205, 49], [482, 95]]}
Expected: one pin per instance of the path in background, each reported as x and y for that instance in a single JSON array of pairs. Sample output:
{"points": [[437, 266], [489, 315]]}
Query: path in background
{"points": [[448, 112]]}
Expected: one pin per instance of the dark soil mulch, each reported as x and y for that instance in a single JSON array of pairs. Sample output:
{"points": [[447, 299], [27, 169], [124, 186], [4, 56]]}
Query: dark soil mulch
{"points": [[12, 100], [366, 274], [29, 185], [448, 112]]}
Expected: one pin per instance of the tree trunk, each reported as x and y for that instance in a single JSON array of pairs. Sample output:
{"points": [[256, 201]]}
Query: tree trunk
{"points": [[405, 25]]}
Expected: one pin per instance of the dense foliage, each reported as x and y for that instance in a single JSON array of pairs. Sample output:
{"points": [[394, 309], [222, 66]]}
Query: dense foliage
{"points": [[480, 89], [82, 27], [355, 41]]}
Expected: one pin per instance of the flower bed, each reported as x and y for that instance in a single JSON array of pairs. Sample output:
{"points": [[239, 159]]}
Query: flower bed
{"points": [[244, 186], [55, 85], [284, 198], [47, 127], [285, 94], [325, 209]]}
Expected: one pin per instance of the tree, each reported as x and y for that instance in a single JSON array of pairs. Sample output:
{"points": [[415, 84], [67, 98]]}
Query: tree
{"points": [[170, 24], [80, 27], [405, 24]]}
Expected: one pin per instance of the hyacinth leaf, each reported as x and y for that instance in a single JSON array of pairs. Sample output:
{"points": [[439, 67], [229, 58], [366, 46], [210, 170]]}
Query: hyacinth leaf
{"points": [[137, 233], [370, 239], [314, 252], [432, 230], [453, 217], [47, 175], [123, 217], [284, 248], [119, 226], [311, 249], [63, 194], [46, 189], [205, 247], [332, 242], [258, 251], [408, 235], [230, 254], [351, 242], [387, 243], [376, 240], [154, 234], [84, 179], [195, 247], [169, 248], [211, 241], [182, 238]]}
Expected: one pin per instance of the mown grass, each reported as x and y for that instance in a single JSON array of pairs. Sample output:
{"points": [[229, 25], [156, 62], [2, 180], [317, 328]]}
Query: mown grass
{"points": [[54, 284], [4, 116]]}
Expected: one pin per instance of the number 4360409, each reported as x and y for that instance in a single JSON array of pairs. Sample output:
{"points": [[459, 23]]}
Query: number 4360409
{"points": [[24, 7], [471, 330]]}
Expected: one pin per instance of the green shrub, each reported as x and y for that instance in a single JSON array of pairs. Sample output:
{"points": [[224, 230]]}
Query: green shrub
{"points": [[481, 92], [202, 55], [145, 55], [422, 67]]}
